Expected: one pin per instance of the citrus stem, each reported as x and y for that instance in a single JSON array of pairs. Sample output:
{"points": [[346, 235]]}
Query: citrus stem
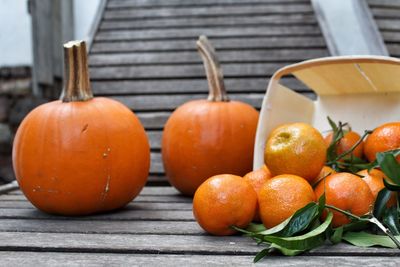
{"points": [[76, 73], [214, 74], [367, 132], [372, 219]]}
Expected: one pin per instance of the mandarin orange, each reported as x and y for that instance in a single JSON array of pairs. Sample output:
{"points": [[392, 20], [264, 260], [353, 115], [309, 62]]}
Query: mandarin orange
{"points": [[280, 197], [223, 201], [295, 148], [348, 140], [385, 137], [325, 172], [374, 179], [348, 192], [257, 179]]}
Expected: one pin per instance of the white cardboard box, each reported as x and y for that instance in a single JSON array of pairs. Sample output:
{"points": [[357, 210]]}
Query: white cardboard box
{"points": [[361, 90]]}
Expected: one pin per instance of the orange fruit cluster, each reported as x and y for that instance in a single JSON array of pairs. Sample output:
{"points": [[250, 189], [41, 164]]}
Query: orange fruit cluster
{"points": [[296, 155]]}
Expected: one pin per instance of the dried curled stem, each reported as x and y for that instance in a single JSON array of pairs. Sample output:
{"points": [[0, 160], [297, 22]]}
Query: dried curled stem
{"points": [[215, 77], [76, 73]]}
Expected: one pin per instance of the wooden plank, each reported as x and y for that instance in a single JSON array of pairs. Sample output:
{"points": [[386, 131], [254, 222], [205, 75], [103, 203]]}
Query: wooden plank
{"points": [[394, 49], [120, 215], [388, 24], [198, 11], [385, 12], [220, 44], [131, 206], [156, 165], [169, 225], [235, 56], [179, 3], [172, 244], [233, 85], [160, 34], [153, 120], [182, 71], [106, 259], [149, 191], [155, 139], [138, 199], [290, 19], [384, 3], [391, 36], [170, 102]]}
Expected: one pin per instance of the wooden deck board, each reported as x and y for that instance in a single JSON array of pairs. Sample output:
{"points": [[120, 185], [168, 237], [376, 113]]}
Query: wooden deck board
{"points": [[160, 229], [108, 259]]}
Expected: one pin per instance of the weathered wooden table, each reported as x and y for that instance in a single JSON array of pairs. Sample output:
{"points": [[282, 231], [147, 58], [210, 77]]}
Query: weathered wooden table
{"points": [[157, 228]]}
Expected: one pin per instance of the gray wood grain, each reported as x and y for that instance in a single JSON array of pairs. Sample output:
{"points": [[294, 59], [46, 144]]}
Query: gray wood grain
{"points": [[171, 244], [120, 215], [153, 190], [256, 70], [153, 120], [195, 85], [385, 12], [193, 33], [219, 42], [384, 3], [391, 36], [170, 225], [107, 259], [170, 102], [194, 11], [290, 19], [140, 198], [131, 206], [191, 3], [235, 56]]}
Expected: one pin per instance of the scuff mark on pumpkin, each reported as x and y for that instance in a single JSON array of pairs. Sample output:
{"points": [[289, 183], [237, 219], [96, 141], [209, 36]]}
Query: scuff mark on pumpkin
{"points": [[106, 188], [105, 154], [85, 128]]}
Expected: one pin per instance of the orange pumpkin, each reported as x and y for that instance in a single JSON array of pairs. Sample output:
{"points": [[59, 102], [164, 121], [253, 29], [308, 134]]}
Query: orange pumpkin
{"points": [[203, 138], [80, 155]]}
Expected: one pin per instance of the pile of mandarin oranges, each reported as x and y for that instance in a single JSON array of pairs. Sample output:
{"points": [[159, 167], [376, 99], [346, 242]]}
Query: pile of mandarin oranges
{"points": [[296, 173]]}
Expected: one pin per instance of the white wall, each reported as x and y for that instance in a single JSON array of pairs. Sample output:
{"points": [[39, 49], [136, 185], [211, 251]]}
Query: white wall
{"points": [[84, 13], [15, 29], [15, 33]]}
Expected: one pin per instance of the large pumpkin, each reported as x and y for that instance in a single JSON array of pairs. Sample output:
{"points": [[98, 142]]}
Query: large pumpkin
{"points": [[80, 155], [203, 138]]}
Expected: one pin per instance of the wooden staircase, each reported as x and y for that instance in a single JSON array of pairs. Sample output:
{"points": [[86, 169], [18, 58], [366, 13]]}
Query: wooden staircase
{"points": [[144, 53]]}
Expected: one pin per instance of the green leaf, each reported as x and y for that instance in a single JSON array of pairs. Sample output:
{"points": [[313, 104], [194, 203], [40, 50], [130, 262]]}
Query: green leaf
{"points": [[380, 202], [286, 251], [321, 203], [389, 165], [336, 235], [276, 229], [356, 226], [391, 220], [363, 239], [261, 255], [293, 224], [307, 241], [255, 227], [389, 185], [332, 124], [301, 220]]}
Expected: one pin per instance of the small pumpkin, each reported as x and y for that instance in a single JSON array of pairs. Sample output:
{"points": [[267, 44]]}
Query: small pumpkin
{"points": [[203, 138], [80, 155]]}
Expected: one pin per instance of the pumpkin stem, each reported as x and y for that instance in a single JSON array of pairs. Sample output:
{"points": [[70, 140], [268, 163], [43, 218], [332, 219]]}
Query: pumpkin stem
{"points": [[76, 73], [213, 70]]}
